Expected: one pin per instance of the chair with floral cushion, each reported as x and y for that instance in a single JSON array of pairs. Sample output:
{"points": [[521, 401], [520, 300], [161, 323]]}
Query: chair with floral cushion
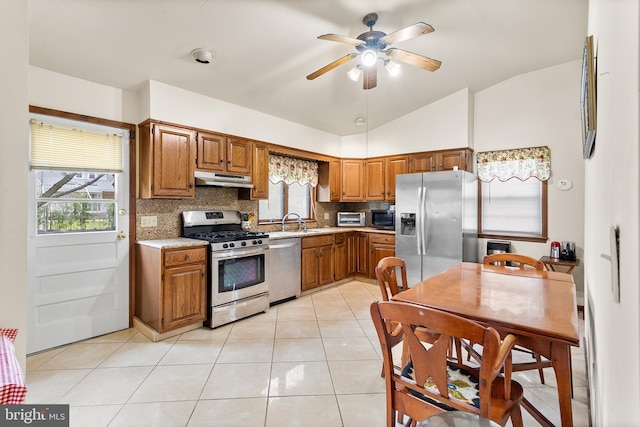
{"points": [[431, 382]]}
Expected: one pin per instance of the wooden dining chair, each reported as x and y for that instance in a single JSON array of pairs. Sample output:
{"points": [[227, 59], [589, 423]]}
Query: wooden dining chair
{"points": [[431, 382], [387, 272], [522, 262]]}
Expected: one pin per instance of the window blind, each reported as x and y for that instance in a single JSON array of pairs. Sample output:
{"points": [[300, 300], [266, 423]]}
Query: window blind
{"points": [[56, 147]]}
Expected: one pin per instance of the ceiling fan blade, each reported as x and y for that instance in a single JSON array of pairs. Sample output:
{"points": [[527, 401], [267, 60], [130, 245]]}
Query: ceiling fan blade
{"points": [[414, 59], [331, 66], [341, 39], [370, 78], [407, 33]]}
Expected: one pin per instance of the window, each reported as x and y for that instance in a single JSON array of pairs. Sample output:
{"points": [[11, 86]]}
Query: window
{"points": [[513, 209], [512, 192], [284, 199], [291, 189], [76, 167]]}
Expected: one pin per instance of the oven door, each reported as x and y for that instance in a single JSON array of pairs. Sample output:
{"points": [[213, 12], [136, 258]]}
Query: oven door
{"points": [[237, 274]]}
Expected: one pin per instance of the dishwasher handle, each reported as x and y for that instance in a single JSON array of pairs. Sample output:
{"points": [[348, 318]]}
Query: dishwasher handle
{"points": [[283, 245]]}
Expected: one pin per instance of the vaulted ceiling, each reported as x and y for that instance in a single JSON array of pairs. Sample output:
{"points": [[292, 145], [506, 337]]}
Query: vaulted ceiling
{"points": [[264, 49]]}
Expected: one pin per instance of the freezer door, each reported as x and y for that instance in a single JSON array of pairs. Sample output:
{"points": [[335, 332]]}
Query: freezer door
{"points": [[408, 195], [442, 223]]}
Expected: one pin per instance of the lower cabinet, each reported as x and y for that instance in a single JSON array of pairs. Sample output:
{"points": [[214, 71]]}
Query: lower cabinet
{"points": [[340, 264], [171, 286], [362, 254], [332, 257], [317, 261], [380, 246]]}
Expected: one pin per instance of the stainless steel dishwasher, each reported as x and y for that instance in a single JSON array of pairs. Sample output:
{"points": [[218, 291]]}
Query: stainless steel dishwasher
{"points": [[283, 264]]}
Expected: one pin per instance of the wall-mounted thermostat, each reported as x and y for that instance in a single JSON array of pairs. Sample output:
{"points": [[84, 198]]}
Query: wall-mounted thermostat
{"points": [[564, 184]]}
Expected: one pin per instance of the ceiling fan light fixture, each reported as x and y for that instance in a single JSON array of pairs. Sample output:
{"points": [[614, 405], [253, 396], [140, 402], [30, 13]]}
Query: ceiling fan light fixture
{"points": [[369, 57], [354, 73], [393, 68], [202, 56]]}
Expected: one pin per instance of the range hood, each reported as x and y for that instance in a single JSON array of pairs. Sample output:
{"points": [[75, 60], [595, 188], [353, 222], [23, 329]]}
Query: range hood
{"points": [[223, 179]]}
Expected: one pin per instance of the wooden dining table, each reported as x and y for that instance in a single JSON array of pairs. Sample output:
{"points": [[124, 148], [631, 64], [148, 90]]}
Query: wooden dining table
{"points": [[538, 307]]}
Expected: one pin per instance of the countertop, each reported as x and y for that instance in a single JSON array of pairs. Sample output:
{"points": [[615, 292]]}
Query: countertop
{"points": [[276, 235], [176, 242]]}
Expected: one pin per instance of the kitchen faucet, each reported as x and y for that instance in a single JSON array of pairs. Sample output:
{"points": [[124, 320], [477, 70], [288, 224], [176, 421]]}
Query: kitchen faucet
{"points": [[287, 216]]}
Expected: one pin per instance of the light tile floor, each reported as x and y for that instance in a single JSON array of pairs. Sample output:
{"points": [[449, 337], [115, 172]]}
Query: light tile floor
{"points": [[310, 362]]}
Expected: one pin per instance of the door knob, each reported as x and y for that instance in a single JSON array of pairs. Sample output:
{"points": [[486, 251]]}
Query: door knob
{"points": [[122, 211], [121, 236]]}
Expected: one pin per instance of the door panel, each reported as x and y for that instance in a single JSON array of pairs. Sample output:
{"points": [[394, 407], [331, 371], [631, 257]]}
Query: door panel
{"points": [[78, 282]]}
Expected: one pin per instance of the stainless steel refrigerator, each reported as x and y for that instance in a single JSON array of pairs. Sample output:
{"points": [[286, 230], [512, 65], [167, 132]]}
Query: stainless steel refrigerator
{"points": [[436, 221]]}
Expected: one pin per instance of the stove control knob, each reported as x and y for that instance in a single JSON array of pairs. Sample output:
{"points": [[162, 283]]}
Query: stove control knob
{"points": [[225, 246], [260, 241], [244, 243], [231, 245], [255, 242]]}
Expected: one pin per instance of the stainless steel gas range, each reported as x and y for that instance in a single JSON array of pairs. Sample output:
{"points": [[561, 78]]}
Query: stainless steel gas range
{"points": [[237, 282]]}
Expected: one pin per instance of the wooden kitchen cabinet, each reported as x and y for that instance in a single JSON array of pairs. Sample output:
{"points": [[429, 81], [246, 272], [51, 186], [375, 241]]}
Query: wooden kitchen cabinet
{"points": [[340, 257], [224, 154], [329, 187], [259, 174], [352, 253], [381, 245], [167, 161], [353, 180], [433, 161], [362, 254], [171, 286], [393, 166], [317, 261], [374, 179]]}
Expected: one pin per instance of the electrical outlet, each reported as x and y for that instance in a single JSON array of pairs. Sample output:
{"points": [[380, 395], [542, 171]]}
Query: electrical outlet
{"points": [[149, 221], [326, 215]]}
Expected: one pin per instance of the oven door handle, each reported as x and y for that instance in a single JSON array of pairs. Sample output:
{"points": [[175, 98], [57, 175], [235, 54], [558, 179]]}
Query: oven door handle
{"points": [[237, 253]]}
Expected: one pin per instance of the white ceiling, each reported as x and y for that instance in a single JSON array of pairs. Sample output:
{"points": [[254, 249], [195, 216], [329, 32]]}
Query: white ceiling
{"points": [[265, 48]]}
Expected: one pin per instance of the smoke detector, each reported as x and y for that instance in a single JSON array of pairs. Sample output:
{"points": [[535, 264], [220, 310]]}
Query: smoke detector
{"points": [[202, 56]]}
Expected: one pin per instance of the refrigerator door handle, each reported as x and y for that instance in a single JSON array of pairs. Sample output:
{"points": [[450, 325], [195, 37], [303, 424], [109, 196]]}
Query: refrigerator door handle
{"points": [[419, 223], [423, 221]]}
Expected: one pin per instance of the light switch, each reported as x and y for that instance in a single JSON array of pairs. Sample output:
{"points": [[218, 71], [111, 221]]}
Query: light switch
{"points": [[149, 221], [326, 215]]}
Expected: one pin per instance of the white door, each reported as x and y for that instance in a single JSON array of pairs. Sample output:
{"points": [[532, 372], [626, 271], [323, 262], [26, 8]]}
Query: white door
{"points": [[78, 252]]}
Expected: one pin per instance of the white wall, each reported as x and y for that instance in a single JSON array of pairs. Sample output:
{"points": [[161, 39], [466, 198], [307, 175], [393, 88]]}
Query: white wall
{"points": [[14, 136], [443, 124], [534, 109], [65, 93], [612, 198], [171, 104]]}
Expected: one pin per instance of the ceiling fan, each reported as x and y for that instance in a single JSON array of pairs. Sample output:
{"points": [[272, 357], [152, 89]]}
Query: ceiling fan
{"points": [[371, 44]]}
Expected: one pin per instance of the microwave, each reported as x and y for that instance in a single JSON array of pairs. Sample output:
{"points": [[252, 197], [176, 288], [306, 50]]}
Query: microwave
{"points": [[383, 219], [350, 219]]}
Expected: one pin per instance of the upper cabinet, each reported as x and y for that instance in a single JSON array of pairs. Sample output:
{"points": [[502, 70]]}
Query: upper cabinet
{"points": [[220, 153], [374, 179], [445, 160], [167, 161], [380, 176], [259, 173], [329, 181], [353, 180], [393, 166]]}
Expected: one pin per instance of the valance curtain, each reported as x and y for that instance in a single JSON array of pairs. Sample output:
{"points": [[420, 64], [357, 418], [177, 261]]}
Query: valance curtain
{"points": [[521, 163], [56, 147], [292, 170]]}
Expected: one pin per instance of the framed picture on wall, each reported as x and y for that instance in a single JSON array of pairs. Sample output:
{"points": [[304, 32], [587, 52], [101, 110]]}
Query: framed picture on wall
{"points": [[588, 99]]}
